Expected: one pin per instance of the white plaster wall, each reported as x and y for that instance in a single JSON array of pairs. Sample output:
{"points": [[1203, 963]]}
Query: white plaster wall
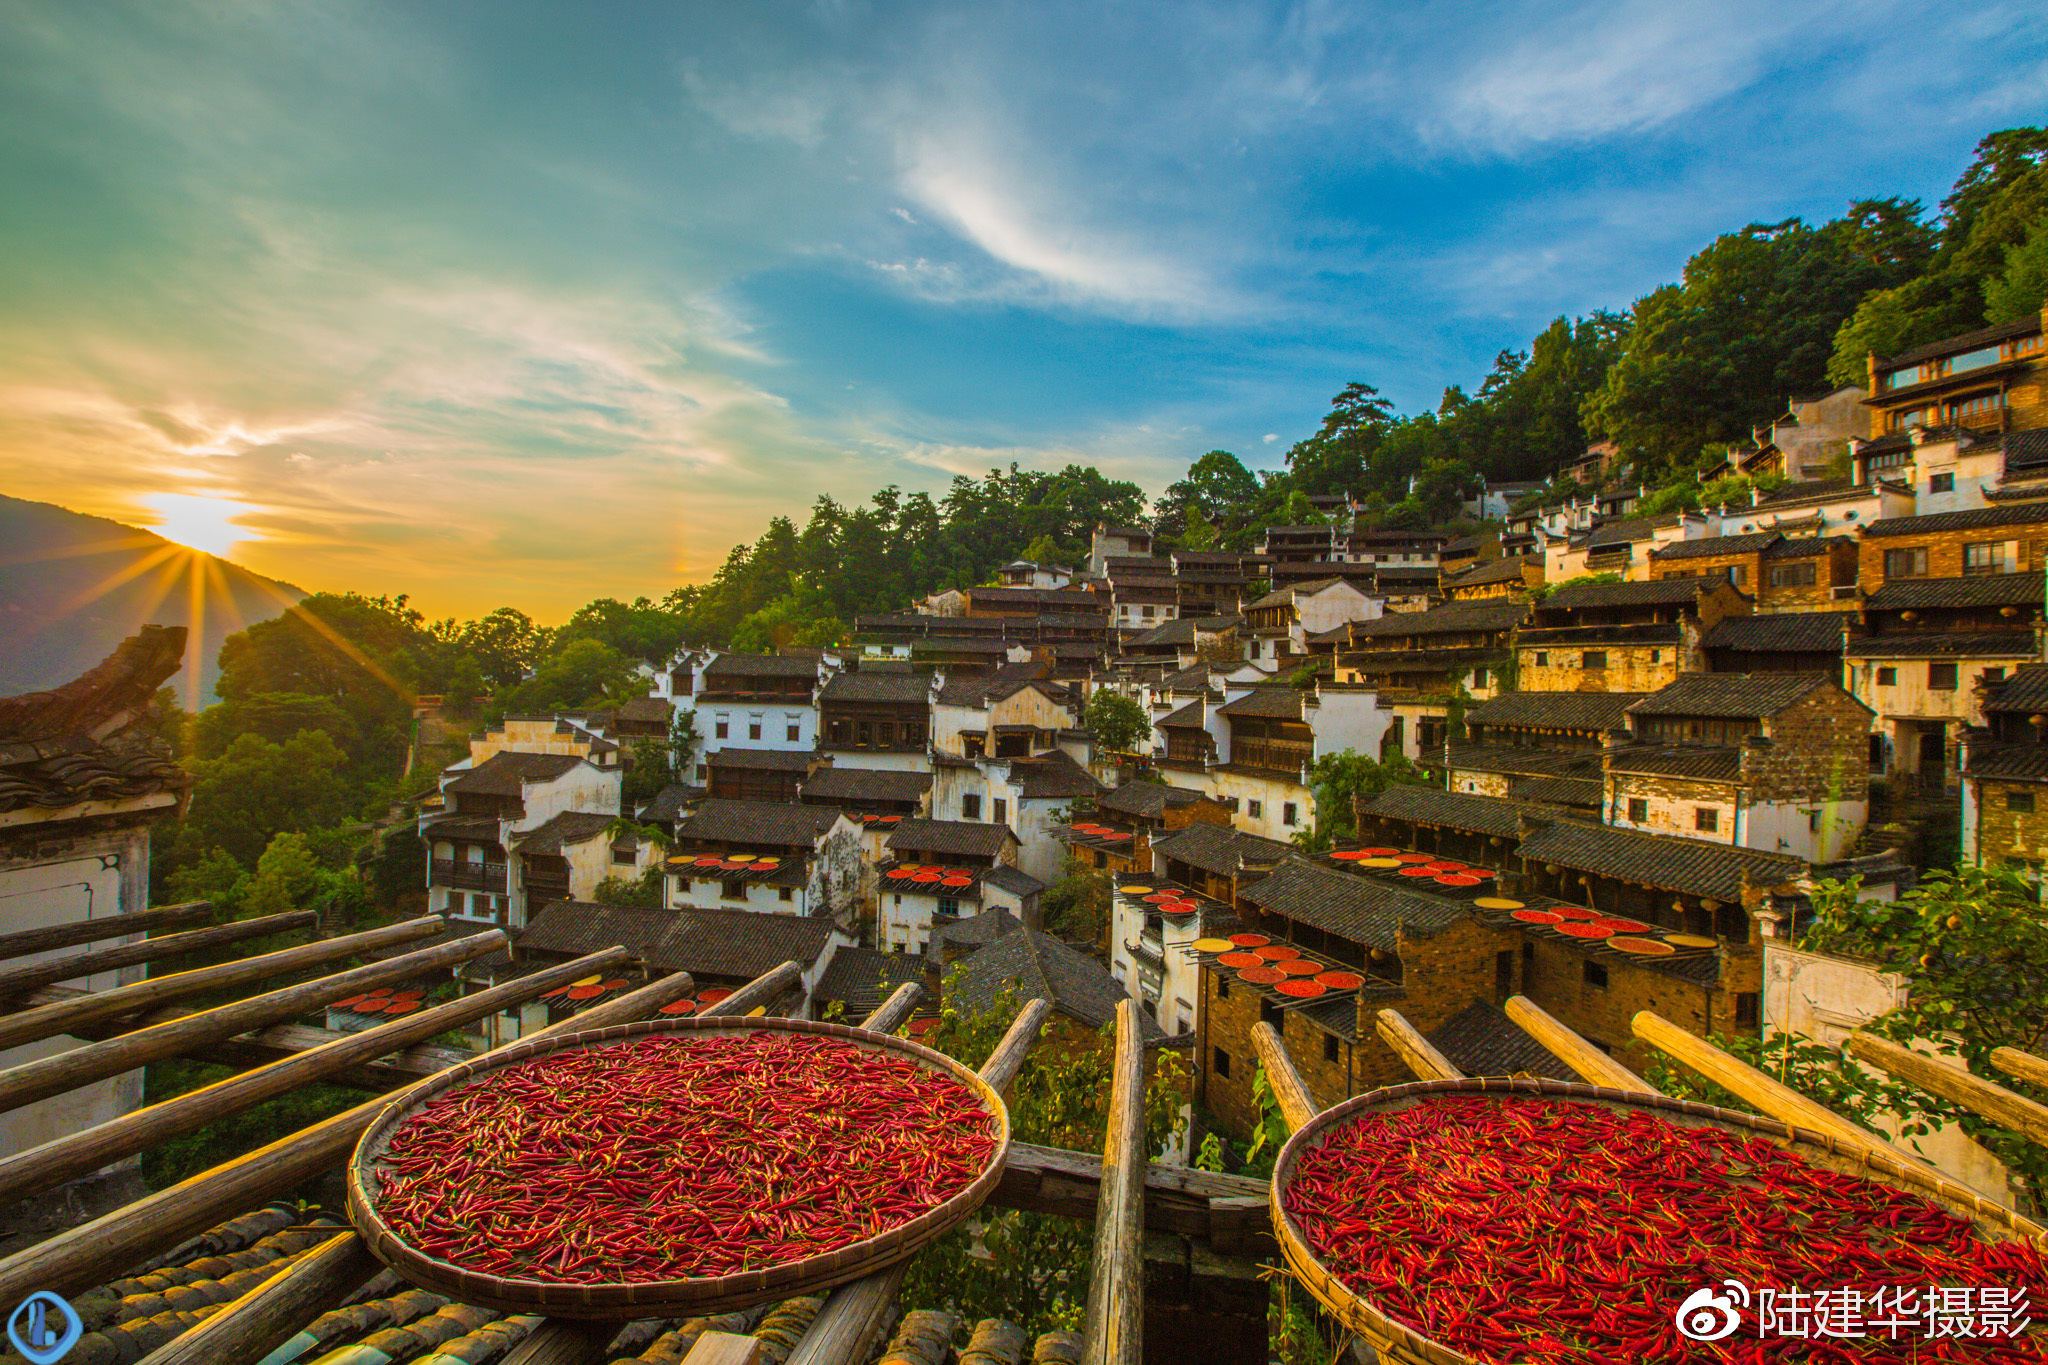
{"points": [[692, 893], [1332, 607], [1668, 814], [1347, 722], [582, 788], [1787, 827], [775, 717], [1272, 794]]}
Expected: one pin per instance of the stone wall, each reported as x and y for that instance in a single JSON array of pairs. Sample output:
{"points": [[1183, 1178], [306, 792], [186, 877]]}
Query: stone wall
{"points": [[1555, 976], [1630, 668], [1945, 549], [2005, 835], [1819, 751]]}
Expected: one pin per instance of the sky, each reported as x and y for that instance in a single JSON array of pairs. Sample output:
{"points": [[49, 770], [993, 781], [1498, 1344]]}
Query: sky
{"points": [[520, 304]]}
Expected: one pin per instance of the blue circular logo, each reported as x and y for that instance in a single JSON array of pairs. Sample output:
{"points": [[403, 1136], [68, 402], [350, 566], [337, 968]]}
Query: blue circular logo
{"points": [[44, 1328]]}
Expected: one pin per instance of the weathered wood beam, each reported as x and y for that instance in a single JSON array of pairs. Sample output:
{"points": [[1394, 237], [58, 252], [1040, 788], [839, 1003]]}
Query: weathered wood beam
{"points": [[890, 1014], [20, 980], [26, 941], [48, 1076], [1974, 1093], [1416, 1052], [762, 990], [247, 1330], [1574, 1051], [1116, 1289], [1297, 1107], [57, 1009], [2022, 1065]]}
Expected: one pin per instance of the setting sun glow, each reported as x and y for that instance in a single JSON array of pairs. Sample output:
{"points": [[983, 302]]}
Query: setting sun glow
{"points": [[200, 523]]}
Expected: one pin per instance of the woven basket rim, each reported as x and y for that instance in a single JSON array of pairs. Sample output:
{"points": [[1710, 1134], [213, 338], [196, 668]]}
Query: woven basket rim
{"points": [[1397, 1340], [702, 1294]]}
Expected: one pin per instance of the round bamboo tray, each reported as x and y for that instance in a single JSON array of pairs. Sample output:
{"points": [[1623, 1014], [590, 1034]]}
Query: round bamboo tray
{"points": [[1399, 1344], [659, 1298]]}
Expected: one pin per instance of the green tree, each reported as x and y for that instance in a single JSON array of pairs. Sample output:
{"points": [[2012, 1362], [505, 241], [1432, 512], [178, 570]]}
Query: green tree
{"points": [[1116, 721], [585, 674], [1334, 460], [2022, 289], [1045, 550], [502, 645], [1215, 484], [1341, 779], [1196, 532], [258, 790]]}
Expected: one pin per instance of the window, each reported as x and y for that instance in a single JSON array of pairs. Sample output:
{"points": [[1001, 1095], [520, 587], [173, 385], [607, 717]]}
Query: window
{"points": [[1656, 656], [1941, 483], [1794, 575], [793, 731], [625, 853], [1993, 674], [1906, 563], [1002, 811], [949, 905], [703, 773], [1479, 677], [1941, 677], [1706, 818], [1289, 813], [733, 891], [1148, 613], [1593, 658], [970, 808], [1887, 677], [1269, 1013], [1738, 574], [2020, 801], [719, 730], [1983, 409], [1222, 989], [1222, 1063], [885, 732], [1638, 810], [1254, 809], [1984, 556], [1747, 1015], [785, 893], [1813, 822], [864, 733], [1542, 659], [1596, 974], [840, 731], [1329, 1047], [753, 729]]}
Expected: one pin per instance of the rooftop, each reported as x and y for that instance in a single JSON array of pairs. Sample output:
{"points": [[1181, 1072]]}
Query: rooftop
{"points": [[80, 742], [1556, 710], [1692, 866], [1481, 1040], [506, 773], [1792, 632], [762, 666], [965, 838], [1654, 592], [783, 823], [1035, 965], [912, 689], [1487, 815], [1215, 849], [1718, 545], [1348, 906], [852, 786], [2025, 692], [561, 830], [1980, 590], [1738, 695], [2013, 514]]}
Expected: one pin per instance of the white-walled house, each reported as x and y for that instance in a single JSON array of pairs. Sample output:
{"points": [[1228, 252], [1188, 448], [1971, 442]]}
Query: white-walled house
{"points": [[945, 868], [767, 857], [480, 813], [1150, 953]]}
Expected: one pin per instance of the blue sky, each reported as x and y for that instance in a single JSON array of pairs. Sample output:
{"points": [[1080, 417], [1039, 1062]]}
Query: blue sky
{"points": [[502, 303]]}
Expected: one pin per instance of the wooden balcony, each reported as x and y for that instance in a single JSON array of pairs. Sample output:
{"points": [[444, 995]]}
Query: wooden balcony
{"points": [[467, 875], [1286, 757]]}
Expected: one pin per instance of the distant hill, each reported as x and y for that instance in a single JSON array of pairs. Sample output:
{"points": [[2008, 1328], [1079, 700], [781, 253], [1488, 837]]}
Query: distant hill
{"points": [[73, 586]]}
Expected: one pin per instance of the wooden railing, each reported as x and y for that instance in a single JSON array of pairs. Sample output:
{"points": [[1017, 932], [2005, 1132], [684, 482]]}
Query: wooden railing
{"points": [[472, 876]]}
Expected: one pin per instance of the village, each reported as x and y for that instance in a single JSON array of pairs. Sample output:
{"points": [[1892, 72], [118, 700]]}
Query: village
{"points": [[1618, 757]]}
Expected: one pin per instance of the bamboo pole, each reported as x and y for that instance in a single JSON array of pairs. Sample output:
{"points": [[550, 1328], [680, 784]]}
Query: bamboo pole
{"points": [[1297, 1107], [81, 1257], [760, 991], [27, 941], [1979, 1096], [73, 1155], [889, 1016], [1415, 1051], [245, 1331], [850, 1319], [1575, 1052], [63, 1016], [68, 1070], [2023, 1065], [1116, 1289], [20, 980], [1753, 1087]]}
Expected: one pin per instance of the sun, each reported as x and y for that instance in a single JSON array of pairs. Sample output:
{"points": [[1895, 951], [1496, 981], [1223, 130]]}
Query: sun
{"points": [[200, 523]]}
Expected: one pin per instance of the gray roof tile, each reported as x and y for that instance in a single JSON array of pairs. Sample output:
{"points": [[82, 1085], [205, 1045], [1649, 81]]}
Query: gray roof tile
{"points": [[1738, 695]]}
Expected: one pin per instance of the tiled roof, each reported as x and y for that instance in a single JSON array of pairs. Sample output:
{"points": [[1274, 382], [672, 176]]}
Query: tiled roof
{"points": [[975, 931], [762, 666], [2009, 760], [1055, 774], [670, 802], [2018, 514], [1556, 710], [1038, 966], [1353, 908], [1282, 702], [1702, 764], [1654, 592], [1729, 694], [1692, 866], [1481, 1040], [738, 943], [1806, 547], [506, 772], [1968, 341], [1523, 760], [1631, 633], [1792, 632], [1215, 848], [759, 822], [764, 760], [1620, 532], [1718, 545], [1500, 571], [1450, 810], [900, 688], [79, 742], [862, 978], [1148, 800], [1981, 590], [1808, 490], [560, 830], [2025, 692], [1283, 596], [1189, 717], [854, 785], [1586, 792], [2010, 644], [964, 837], [646, 709], [573, 928], [1476, 614], [1014, 880]]}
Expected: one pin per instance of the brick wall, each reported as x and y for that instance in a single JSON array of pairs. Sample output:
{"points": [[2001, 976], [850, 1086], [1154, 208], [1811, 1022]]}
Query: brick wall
{"points": [[1672, 805], [1748, 567], [1554, 976], [1478, 783], [1837, 568], [1945, 549], [1630, 668], [2004, 834], [1819, 750]]}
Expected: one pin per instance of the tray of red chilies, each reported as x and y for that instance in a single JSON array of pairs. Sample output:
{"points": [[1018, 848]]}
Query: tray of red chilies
{"points": [[1540, 1222], [681, 1166]]}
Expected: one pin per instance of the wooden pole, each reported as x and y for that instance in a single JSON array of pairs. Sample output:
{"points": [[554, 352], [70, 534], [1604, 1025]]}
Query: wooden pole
{"points": [[2023, 1065], [20, 980], [848, 1322], [68, 1070], [81, 1257], [27, 941], [61, 1159], [248, 1329], [889, 1016], [1751, 1086], [1974, 1093], [1575, 1052], [1116, 1289], [1297, 1107], [761, 990], [63, 1016], [1414, 1050]]}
